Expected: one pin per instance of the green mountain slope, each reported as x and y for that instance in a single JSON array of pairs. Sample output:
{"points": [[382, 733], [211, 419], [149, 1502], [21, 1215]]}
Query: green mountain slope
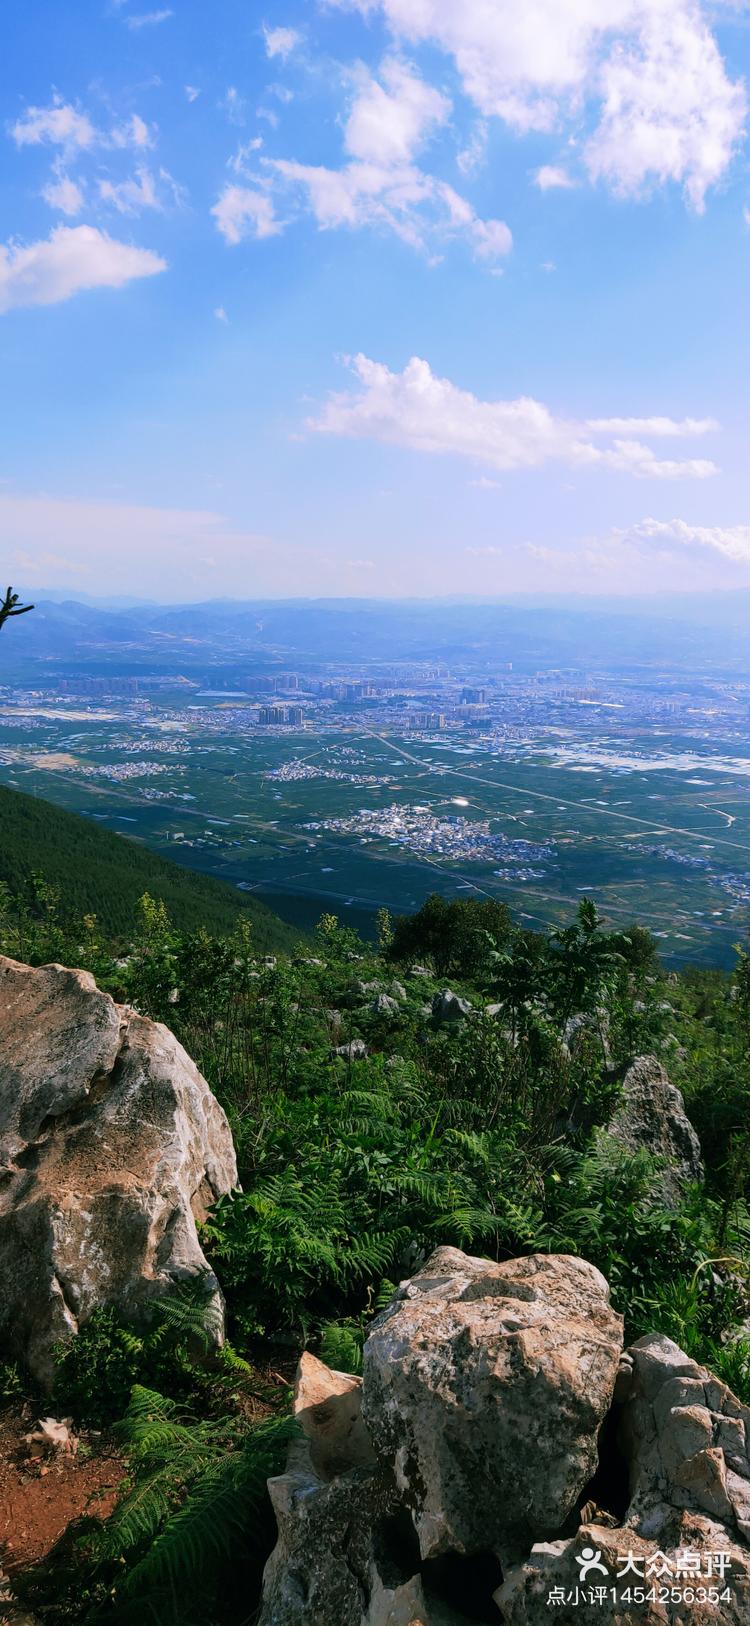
{"points": [[98, 872]]}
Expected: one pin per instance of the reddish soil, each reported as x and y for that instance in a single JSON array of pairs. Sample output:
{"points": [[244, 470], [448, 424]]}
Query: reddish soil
{"points": [[40, 1496]]}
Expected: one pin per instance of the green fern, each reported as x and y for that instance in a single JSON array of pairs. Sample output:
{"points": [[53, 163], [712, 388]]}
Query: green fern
{"points": [[197, 1491]]}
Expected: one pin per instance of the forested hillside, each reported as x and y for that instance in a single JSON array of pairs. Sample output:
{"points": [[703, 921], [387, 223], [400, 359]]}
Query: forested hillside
{"points": [[96, 872], [464, 1083]]}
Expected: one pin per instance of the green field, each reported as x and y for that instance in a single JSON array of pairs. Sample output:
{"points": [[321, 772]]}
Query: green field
{"points": [[667, 844]]}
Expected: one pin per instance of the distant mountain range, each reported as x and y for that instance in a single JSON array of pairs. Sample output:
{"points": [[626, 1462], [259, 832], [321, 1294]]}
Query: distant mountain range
{"points": [[214, 638]]}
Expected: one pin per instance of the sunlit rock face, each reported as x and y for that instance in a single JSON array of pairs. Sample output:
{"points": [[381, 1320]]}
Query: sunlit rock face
{"points": [[500, 1441], [112, 1148]]}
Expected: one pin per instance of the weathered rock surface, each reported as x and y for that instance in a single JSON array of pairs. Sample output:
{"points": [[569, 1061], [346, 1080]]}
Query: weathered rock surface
{"points": [[112, 1147], [485, 1386], [478, 1392], [345, 1555], [683, 1444], [652, 1115], [328, 1406], [355, 1050], [449, 1007], [385, 1005]]}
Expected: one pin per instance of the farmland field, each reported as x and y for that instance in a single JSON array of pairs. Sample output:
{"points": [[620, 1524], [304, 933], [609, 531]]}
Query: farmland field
{"points": [[655, 827]]}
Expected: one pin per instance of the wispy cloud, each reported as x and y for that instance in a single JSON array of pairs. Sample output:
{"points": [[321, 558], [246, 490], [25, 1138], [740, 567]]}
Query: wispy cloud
{"points": [[391, 116], [731, 541], [242, 209], [552, 176], [63, 194], [141, 191], [147, 19], [281, 41]]}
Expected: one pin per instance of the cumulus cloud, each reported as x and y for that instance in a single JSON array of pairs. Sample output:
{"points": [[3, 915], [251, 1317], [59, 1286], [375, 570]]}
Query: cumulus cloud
{"points": [[391, 116], [71, 259], [244, 211], [669, 111], [280, 41], [418, 410], [732, 541], [649, 72]]}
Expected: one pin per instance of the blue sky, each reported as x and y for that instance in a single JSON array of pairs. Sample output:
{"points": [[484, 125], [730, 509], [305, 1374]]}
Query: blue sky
{"points": [[375, 297]]}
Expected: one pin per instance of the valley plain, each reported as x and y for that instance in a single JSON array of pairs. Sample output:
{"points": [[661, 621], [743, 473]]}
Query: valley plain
{"points": [[348, 784]]}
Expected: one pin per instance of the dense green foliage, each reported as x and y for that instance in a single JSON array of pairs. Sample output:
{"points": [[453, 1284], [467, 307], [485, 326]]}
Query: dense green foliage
{"points": [[357, 1159], [95, 872]]}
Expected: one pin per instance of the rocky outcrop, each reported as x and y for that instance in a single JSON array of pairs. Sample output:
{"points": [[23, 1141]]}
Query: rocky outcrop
{"points": [[518, 1473], [112, 1148], [485, 1386], [679, 1439], [652, 1116], [450, 1007]]}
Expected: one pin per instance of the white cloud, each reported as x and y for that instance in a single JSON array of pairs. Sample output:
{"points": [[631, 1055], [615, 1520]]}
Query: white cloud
{"points": [[391, 116], [134, 133], [649, 72], [732, 541], [241, 159], [142, 191], [670, 113], [552, 175], [233, 105], [59, 125], [71, 259], [147, 19], [64, 194], [220, 314], [280, 41], [671, 427], [192, 92], [401, 198], [472, 156], [243, 211], [418, 410]]}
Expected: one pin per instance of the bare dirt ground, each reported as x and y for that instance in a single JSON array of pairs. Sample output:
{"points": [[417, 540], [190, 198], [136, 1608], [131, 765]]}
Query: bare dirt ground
{"points": [[40, 1496]]}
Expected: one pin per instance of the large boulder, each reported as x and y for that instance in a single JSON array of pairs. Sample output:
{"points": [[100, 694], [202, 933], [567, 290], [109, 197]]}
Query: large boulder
{"points": [[112, 1148], [652, 1116], [484, 1389], [677, 1439]]}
